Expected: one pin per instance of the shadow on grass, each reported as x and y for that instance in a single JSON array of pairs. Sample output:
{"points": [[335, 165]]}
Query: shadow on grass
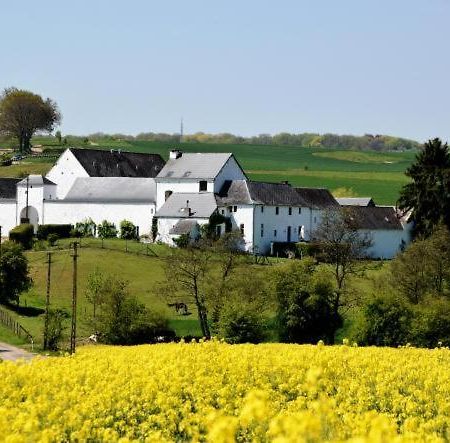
{"points": [[26, 311]]}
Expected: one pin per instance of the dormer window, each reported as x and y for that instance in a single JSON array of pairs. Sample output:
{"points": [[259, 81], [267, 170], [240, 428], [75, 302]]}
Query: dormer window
{"points": [[203, 185]]}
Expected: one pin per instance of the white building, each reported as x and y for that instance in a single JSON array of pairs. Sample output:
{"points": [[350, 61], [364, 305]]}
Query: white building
{"points": [[182, 193]]}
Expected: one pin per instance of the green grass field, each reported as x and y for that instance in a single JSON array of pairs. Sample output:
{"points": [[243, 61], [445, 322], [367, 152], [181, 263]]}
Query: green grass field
{"points": [[379, 175]]}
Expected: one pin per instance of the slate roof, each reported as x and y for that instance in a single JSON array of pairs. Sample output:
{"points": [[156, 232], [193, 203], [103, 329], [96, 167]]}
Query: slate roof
{"points": [[273, 194], [116, 163], [188, 205], [8, 187], [375, 217], [316, 198], [110, 189], [195, 165], [36, 180], [356, 201], [184, 226]]}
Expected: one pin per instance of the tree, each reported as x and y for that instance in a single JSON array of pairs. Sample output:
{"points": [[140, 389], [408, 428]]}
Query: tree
{"points": [[58, 136], [186, 270], [56, 328], [14, 273], [107, 229], [23, 113], [95, 290], [343, 246], [123, 320], [127, 230], [428, 194], [305, 312]]}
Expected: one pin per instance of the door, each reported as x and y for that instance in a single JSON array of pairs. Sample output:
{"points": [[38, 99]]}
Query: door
{"points": [[288, 234]]}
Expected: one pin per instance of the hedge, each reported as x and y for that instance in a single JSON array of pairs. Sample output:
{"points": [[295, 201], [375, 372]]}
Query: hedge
{"points": [[62, 231], [22, 234]]}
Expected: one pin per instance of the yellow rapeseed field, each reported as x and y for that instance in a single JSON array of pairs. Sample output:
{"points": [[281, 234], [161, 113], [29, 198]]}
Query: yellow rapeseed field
{"points": [[223, 393]]}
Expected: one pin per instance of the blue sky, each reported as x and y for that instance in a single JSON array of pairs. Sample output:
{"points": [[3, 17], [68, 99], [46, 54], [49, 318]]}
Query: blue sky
{"points": [[246, 67]]}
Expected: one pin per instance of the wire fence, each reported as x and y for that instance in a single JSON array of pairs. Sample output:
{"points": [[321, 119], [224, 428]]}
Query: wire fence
{"points": [[8, 321]]}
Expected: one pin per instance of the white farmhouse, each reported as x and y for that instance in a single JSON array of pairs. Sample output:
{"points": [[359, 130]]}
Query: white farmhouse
{"points": [[182, 194]]}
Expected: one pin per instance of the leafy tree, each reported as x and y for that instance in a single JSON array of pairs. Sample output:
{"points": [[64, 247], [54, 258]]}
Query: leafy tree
{"points": [[343, 246], [386, 322], [107, 229], [14, 273], [58, 136], [305, 297], [56, 328], [23, 113], [127, 230], [428, 194], [123, 320], [95, 290], [86, 228]]}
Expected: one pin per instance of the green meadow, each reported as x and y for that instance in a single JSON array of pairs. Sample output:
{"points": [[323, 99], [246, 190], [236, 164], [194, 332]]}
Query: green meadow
{"points": [[362, 173]]}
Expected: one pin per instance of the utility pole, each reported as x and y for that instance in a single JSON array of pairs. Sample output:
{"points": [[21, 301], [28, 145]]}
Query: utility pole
{"points": [[47, 300], [73, 332], [0, 241], [26, 213]]}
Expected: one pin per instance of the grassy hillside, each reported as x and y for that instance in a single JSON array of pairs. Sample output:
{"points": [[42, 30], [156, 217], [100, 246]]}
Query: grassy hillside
{"points": [[380, 175]]}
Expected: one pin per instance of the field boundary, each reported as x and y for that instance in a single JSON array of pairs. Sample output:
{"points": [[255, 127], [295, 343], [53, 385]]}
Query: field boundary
{"points": [[8, 321]]}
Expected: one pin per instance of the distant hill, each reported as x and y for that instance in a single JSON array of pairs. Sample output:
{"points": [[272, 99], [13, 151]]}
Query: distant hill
{"points": [[367, 142]]}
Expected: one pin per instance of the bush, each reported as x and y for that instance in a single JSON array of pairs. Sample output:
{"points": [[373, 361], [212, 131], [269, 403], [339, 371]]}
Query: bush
{"points": [[56, 328], [386, 322], [127, 230], [23, 235], [241, 325], [14, 273], [86, 228], [107, 230], [52, 239], [310, 249], [62, 231]]}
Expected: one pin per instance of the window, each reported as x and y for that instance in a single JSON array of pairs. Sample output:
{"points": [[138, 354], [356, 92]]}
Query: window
{"points": [[274, 232], [203, 185], [234, 208], [277, 210], [241, 228], [290, 210], [230, 208], [262, 230], [167, 194], [222, 212], [151, 211], [299, 210], [262, 208], [315, 219]]}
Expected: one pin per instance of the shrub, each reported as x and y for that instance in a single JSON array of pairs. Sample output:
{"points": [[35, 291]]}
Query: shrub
{"points": [[241, 325], [23, 235], [14, 272], [52, 239], [127, 230], [85, 228], [62, 231], [56, 328], [107, 229]]}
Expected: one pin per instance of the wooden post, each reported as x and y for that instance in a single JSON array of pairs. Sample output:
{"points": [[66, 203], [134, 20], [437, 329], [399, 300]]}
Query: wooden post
{"points": [[47, 300], [73, 332]]}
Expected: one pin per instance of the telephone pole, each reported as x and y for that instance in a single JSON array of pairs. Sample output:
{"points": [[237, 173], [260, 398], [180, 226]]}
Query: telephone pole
{"points": [[73, 332], [47, 300], [0, 242]]}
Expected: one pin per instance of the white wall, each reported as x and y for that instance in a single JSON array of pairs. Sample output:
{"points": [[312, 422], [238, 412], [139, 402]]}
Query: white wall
{"points": [[387, 243], [230, 171], [35, 200], [7, 216], [166, 224], [65, 171], [60, 212], [243, 215]]}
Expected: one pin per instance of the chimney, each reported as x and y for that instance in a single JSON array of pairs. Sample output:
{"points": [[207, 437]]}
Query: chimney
{"points": [[175, 153]]}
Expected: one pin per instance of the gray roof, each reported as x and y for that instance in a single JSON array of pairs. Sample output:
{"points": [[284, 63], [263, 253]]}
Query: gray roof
{"points": [[355, 201], [109, 189], [8, 187], [375, 217], [316, 198], [188, 205], [273, 194], [195, 166], [36, 180], [117, 163], [234, 192], [183, 227]]}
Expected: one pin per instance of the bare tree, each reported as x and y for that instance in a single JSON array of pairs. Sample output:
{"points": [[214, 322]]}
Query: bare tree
{"points": [[343, 246], [23, 113]]}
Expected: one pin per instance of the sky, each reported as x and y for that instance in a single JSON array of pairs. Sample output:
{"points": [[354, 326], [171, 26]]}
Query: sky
{"points": [[241, 66]]}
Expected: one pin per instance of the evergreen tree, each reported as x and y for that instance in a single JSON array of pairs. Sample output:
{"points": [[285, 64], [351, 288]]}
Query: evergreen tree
{"points": [[428, 194]]}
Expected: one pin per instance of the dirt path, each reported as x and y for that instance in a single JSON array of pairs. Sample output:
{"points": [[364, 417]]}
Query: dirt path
{"points": [[12, 353]]}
